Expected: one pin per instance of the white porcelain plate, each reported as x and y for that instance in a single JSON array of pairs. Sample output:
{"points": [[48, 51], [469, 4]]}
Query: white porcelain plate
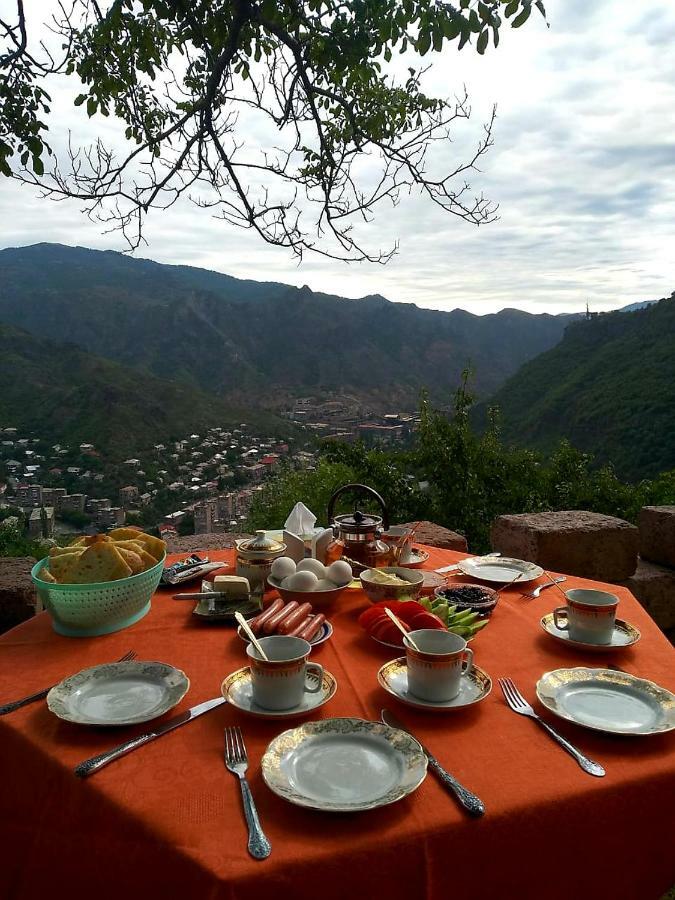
{"points": [[500, 569], [474, 687], [606, 700], [122, 693], [325, 632], [624, 635], [238, 691], [344, 765]]}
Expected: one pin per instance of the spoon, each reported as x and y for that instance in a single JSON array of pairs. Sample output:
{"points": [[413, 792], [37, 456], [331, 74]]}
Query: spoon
{"points": [[253, 639], [397, 623]]}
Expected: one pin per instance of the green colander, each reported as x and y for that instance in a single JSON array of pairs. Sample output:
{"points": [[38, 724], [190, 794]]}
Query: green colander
{"points": [[87, 610]]}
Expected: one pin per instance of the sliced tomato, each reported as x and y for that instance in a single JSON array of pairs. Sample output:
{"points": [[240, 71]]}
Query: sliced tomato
{"points": [[369, 616], [425, 620], [388, 632], [408, 609]]}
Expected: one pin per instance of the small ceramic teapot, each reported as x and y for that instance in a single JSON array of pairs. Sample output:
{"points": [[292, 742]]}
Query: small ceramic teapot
{"points": [[255, 557]]}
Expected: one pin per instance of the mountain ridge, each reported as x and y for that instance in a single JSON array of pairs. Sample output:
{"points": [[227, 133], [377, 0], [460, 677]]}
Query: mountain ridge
{"points": [[608, 386], [262, 341]]}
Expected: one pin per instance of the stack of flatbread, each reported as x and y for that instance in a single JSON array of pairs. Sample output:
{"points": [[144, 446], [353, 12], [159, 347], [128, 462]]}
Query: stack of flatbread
{"points": [[103, 557]]}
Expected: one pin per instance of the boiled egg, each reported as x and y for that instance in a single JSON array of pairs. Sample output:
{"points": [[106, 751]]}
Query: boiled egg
{"points": [[282, 568], [300, 581], [339, 572], [312, 565]]}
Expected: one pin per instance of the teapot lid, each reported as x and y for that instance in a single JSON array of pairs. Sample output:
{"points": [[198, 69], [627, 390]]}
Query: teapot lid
{"points": [[358, 522]]}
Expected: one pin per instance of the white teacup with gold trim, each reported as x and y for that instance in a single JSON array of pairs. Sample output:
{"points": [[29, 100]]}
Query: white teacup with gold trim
{"points": [[589, 616], [280, 681], [435, 672]]}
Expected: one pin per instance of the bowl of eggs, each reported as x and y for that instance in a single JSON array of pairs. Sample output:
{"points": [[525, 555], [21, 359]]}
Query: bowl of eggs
{"points": [[309, 580]]}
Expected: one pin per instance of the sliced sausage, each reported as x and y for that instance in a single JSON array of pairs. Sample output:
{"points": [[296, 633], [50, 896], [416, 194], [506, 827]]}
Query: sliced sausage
{"points": [[290, 623], [256, 624], [272, 624]]}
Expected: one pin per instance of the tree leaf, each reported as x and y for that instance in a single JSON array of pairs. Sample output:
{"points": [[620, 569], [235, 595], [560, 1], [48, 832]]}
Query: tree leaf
{"points": [[522, 18], [482, 42], [38, 166]]}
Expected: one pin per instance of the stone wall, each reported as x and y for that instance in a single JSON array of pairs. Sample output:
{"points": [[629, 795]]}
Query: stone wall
{"points": [[17, 594]]}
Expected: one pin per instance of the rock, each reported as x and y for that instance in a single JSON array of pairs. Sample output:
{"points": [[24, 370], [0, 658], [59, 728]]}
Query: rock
{"points": [[436, 536], [17, 593], [192, 543], [657, 534], [654, 587], [575, 542]]}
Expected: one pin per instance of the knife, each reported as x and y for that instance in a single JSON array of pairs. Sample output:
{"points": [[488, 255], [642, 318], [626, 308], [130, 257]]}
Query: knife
{"points": [[471, 803], [455, 566], [89, 766]]}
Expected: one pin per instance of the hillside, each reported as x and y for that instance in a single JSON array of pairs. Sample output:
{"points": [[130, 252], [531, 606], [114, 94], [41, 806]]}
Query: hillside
{"points": [[66, 394], [225, 335], [609, 387]]}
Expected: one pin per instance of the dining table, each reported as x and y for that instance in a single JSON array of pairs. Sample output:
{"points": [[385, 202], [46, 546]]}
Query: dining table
{"points": [[166, 820]]}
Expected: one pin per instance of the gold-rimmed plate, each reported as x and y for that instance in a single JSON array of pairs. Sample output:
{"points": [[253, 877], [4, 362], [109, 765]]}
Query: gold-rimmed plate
{"points": [[122, 693], [500, 570], [344, 765], [607, 700], [624, 635], [474, 687]]}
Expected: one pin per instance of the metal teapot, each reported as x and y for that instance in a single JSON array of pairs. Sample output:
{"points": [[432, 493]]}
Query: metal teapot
{"points": [[356, 534]]}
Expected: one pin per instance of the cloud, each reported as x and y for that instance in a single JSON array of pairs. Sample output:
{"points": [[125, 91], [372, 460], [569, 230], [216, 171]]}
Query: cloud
{"points": [[583, 169]]}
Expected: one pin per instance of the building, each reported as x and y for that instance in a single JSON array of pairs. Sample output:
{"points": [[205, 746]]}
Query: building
{"points": [[41, 522], [71, 503], [95, 506], [110, 517], [51, 496], [128, 495], [29, 495]]}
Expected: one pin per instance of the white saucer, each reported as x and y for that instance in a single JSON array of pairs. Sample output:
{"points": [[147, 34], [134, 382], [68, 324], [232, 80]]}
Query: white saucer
{"points": [[238, 691], [624, 635], [393, 677]]}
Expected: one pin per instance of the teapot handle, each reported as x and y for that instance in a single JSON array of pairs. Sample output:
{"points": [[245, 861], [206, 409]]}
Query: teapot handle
{"points": [[360, 489]]}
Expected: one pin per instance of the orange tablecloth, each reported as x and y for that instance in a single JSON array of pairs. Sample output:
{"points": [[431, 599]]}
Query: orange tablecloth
{"points": [[167, 821]]}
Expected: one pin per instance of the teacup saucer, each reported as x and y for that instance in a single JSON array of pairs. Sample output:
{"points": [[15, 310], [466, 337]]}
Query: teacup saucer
{"points": [[238, 691], [393, 677], [624, 635]]}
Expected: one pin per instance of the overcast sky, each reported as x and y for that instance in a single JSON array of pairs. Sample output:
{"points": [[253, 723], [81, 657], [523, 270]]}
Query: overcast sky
{"points": [[583, 169]]}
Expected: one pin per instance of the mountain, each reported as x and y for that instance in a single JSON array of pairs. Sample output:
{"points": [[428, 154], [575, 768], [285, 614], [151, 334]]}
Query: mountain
{"points": [[63, 393], [641, 304], [264, 341], [608, 386]]}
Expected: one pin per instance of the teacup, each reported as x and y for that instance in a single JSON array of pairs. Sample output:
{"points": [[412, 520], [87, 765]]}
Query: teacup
{"points": [[589, 616], [280, 682], [400, 540], [435, 672]]}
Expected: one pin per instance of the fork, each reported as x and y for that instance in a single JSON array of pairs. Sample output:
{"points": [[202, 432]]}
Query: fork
{"points": [[519, 705], [17, 704], [542, 587], [236, 761]]}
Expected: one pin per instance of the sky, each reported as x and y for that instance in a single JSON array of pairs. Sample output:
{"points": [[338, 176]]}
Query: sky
{"points": [[582, 167]]}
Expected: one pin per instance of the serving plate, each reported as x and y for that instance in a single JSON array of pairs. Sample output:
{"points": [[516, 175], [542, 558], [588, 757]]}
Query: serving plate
{"points": [[238, 691], [344, 765], [474, 687], [500, 570], [624, 635], [122, 693], [323, 635], [607, 700]]}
